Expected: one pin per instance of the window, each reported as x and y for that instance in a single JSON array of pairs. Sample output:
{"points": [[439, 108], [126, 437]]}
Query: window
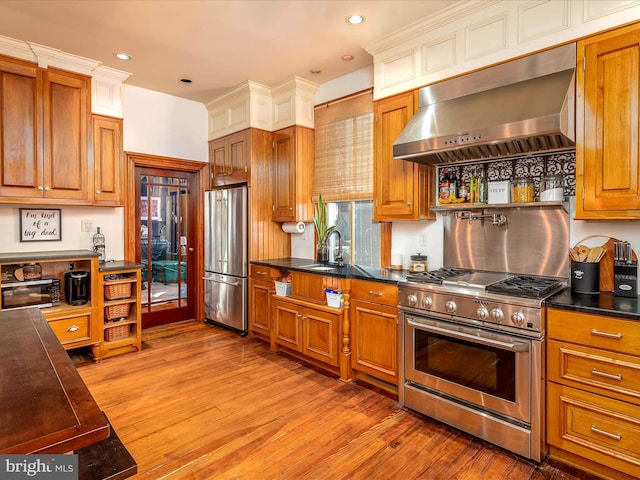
{"points": [[343, 175], [360, 236]]}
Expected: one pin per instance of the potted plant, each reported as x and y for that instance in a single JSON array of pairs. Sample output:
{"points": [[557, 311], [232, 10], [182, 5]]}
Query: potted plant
{"points": [[320, 215]]}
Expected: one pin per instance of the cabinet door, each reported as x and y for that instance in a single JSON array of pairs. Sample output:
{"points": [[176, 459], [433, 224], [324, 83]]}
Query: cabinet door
{"points": [[65, 135], [108, 163], [375, 340], [259, 311], [217, 159], [395, 188], [239, 146], [229, 159], [320, 335], [607, 157], [284, 194], [20, 129], [287, 318]]}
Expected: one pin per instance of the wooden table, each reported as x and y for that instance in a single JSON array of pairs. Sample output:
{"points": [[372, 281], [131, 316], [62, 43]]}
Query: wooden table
{"points": [[45, 407]]}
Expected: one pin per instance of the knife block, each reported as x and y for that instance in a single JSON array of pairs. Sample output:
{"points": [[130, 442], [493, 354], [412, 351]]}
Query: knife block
{"points": [[625, 279]]}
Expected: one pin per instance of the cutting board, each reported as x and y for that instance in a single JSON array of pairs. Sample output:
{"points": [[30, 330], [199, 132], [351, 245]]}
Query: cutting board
{"points": [[606, 262]]}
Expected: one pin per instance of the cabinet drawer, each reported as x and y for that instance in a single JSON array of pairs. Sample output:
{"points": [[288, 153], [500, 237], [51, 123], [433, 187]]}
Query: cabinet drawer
{"points": [[260, 272], [600, 371], [378, 292], [604, 430], [72, 329], [594, 331]]}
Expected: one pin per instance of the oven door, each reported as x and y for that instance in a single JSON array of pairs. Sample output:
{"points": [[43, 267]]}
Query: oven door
{"points": [[488, 370]]}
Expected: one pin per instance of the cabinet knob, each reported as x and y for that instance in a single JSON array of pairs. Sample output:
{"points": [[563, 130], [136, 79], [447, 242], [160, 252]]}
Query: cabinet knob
{"points": [[73, 328], [98, 192], [40, 187], [408, 204], [46, 189]]}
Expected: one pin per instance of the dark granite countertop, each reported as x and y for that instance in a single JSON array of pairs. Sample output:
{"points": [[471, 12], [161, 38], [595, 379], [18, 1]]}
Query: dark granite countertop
{"points": [[22, 257], [375, 274], [112, 265], [604, 303]]}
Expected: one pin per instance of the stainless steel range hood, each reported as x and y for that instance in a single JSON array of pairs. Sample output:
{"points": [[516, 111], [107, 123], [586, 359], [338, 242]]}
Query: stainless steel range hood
{"points": [[522, 106]]}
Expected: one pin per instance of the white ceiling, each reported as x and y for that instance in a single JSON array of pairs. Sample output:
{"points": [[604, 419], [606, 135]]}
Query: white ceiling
{"points": [[216, 43]]}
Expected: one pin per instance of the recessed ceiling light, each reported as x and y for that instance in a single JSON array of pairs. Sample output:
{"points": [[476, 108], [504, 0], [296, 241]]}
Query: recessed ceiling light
{"points": [[122, 56], [347, 58], [315, 71], [186, 80], [354, 19]]}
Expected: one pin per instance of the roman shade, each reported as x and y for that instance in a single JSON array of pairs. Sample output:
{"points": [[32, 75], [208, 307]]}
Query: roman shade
{"points": [[343, 168]]}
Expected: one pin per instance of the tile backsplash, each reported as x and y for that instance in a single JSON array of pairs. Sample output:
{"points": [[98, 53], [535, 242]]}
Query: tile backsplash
{"points": [[530, 166]]}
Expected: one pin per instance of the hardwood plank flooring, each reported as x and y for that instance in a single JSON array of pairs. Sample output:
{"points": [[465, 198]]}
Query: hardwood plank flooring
{"points": [[200, 402]]}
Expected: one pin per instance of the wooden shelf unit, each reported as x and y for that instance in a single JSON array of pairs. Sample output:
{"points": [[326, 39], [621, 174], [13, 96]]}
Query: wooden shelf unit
{"points": [[119, 310]]}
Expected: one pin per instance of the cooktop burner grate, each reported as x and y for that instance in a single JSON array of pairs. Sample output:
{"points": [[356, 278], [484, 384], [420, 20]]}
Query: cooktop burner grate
{"points": [[437, 276], [526, 286]]}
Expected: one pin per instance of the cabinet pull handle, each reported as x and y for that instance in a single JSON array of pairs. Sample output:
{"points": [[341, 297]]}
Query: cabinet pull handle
{"points": [[606, 375], [595, 332], [615, 436], [375, 294], [261, 273], [73, 328]]}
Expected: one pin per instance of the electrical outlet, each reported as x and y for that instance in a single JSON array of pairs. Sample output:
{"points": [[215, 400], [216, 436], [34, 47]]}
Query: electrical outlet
{"points": [[86, 225], [424, 240]]}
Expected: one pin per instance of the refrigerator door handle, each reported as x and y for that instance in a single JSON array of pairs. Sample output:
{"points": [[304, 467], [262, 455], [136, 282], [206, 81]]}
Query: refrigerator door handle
{"points": [[233, 284]]}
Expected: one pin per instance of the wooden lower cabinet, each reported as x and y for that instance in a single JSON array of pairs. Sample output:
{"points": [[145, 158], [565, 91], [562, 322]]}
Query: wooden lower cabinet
{"points": [[261, 287], [310, 331], [374, 326], [593, 392], [74, 328]]}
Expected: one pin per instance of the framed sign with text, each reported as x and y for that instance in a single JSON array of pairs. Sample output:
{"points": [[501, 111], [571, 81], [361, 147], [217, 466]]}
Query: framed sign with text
{"points": [[40, 224]]}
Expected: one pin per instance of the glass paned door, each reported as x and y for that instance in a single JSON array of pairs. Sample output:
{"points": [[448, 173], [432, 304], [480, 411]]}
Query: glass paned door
{"points": [[164, 246]]}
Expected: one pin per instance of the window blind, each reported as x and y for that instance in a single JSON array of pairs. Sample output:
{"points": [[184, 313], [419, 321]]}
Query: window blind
{"points": [[343, 169]]}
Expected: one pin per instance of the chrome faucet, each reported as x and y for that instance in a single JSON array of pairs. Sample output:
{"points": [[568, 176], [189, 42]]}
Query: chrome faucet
{"points": [[338, 257]]}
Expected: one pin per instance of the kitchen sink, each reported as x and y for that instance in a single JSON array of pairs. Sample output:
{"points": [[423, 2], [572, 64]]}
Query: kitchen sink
{"points": [[320, 267]]}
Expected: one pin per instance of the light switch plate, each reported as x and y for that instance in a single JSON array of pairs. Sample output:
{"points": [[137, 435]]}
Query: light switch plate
{"points": [[86, 225]]}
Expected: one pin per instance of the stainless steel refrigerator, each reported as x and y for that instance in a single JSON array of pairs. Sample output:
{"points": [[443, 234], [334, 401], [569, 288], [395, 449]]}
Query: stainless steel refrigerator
{"points": [[226, 257]]}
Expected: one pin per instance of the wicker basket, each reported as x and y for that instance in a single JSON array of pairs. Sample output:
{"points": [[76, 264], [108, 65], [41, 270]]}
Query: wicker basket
{"points": [[115, 312], [116, 333], [117, 291]]}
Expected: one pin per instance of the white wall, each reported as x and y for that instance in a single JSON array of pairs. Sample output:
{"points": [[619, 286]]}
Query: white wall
{"points": [[164, 125], [154, 123]]}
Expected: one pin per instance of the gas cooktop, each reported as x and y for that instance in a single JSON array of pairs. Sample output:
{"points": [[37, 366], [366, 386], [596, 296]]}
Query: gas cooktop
{"points": [[527, 286]]}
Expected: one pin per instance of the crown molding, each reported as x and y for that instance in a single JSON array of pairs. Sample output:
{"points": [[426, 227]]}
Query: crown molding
{"points": [[16, 49], [437, 20]]}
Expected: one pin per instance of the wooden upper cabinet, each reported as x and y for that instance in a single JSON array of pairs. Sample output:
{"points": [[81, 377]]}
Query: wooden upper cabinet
{"points": [[66, 113], [607, 157], [108, 161], [402, 190], [230, 159], [20, 129], [293, 151], [44, 118]]}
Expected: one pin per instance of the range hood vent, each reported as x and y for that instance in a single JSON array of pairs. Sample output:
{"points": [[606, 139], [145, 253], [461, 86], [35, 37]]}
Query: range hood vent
{"points": [[516, 108]]}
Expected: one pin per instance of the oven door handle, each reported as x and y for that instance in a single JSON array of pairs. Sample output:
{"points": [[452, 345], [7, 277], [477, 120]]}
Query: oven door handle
{"points": [[510, 346]]}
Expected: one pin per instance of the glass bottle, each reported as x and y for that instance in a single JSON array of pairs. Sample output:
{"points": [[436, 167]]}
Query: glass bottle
{"points": [[98, 244], [482, 194]]}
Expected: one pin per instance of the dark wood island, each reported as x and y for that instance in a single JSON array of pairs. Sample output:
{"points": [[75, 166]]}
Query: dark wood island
{"points": [[45, 407]]}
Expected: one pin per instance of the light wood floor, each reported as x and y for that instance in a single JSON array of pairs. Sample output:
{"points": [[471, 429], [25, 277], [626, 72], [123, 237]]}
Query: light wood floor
{"points": [[201, 402]]}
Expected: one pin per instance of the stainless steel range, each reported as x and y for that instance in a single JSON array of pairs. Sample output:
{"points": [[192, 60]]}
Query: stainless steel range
{"points": [[473, 346]]}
